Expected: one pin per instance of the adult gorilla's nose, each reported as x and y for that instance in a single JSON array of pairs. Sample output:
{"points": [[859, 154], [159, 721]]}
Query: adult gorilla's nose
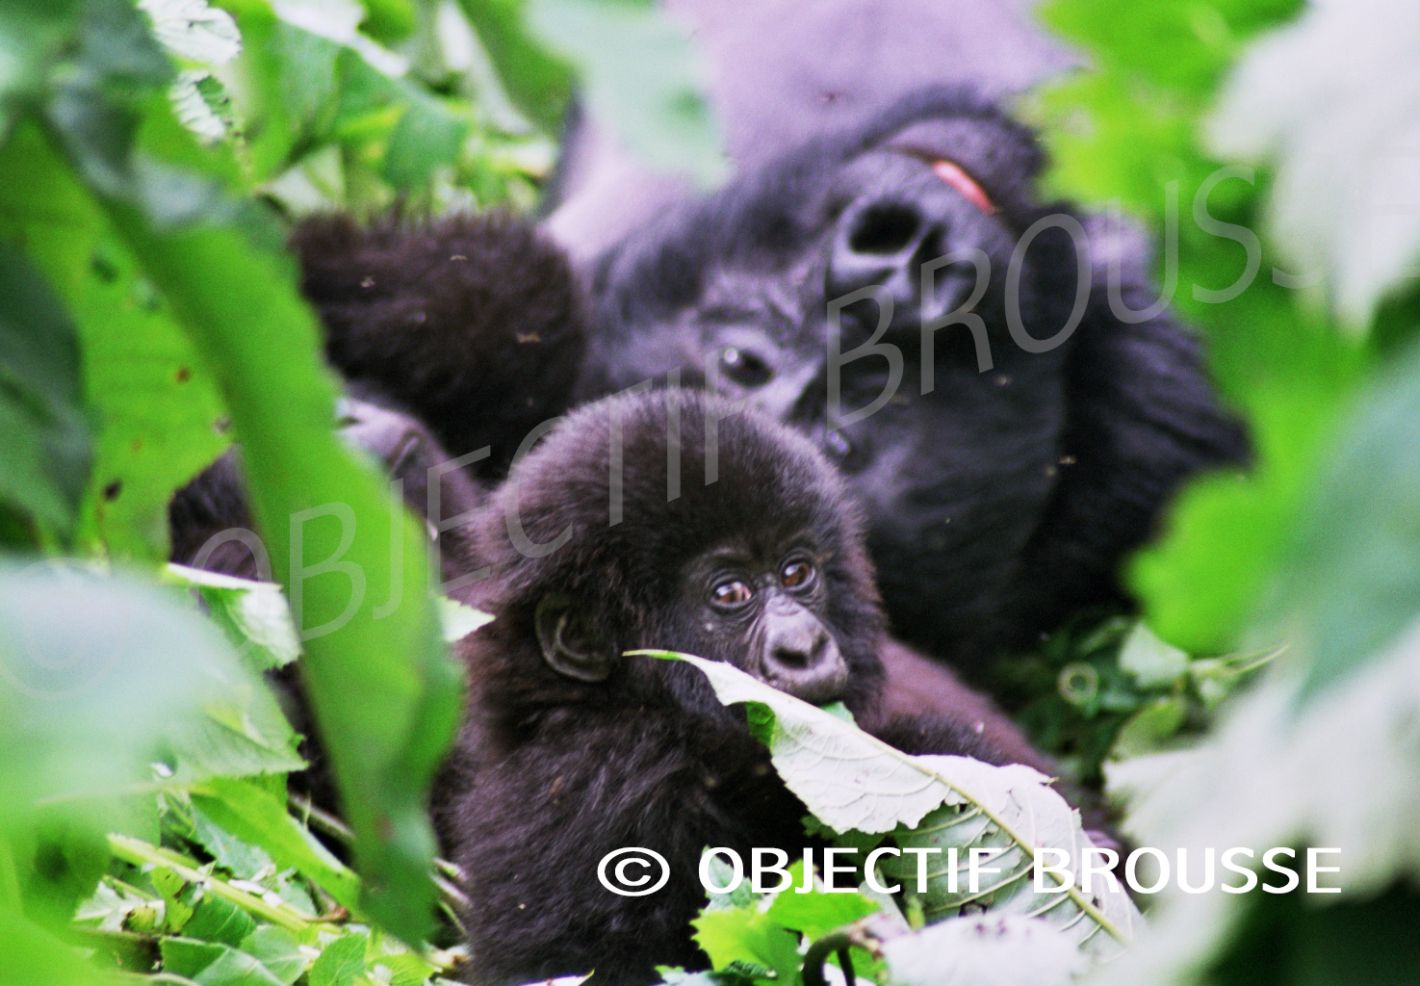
{"points": [[800, 657], [882, 241]]}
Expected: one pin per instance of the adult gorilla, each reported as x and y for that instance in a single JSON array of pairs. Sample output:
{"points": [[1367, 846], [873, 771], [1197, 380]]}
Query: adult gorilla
{"points": [[992, 373]]}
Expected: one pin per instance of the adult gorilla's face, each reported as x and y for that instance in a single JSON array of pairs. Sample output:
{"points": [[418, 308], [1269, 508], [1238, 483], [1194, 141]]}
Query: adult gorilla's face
{"points": [[898, 295]]}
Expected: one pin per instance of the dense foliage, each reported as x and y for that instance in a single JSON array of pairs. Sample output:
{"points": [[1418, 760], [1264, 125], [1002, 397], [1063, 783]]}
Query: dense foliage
{"points": [[151, 159]]}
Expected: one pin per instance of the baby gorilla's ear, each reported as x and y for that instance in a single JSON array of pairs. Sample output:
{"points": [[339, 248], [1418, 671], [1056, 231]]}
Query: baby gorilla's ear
{"points": [[567, 646]]}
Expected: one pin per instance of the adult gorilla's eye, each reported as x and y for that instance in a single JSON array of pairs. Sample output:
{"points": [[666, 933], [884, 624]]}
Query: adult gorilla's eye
{"points": [[744, 367], [731, 593], [796, 575]]}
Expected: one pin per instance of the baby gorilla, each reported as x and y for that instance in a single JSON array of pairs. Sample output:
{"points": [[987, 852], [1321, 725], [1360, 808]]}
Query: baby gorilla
{"points": [[662, 520]]}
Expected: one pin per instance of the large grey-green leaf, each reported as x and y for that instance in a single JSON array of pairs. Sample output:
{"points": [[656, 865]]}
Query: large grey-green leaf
{"points": [[984, 950], [1333, 102], [852, 782], [98, 676]]}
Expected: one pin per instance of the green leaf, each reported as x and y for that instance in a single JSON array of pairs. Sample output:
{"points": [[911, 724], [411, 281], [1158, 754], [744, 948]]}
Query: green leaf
{"points": [[1350, 584], [748, 937], [1153, 662], [637, 70], [213, 964], [90, 694], [428, 136], [254, 615], [157, 413], [851, 781], [538, 81], [817, 912], [44, 438], [340, 962], [279, 952], [218, 921], [255, 816]]}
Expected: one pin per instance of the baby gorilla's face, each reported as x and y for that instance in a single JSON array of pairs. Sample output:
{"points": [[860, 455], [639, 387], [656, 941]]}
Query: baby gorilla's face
{"points": [[764, 611]]}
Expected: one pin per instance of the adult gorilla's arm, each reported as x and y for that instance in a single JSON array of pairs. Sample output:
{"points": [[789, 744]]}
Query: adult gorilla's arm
{"points": [[783, 71], [474, 323]]}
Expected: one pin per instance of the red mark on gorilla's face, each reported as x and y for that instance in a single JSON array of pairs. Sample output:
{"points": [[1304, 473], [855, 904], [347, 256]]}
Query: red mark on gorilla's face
{"points": [[955, 175]]}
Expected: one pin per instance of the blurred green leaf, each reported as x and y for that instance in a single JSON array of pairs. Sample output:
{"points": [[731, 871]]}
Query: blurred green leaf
{"points": [[538, 81], [1351, 584], [817, 912], [637, 70]]}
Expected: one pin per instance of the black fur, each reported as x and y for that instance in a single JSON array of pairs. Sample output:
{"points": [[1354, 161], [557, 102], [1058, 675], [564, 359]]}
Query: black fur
{"points": [[553, 773], [1005, 499], [475, 323], [205, 513]]}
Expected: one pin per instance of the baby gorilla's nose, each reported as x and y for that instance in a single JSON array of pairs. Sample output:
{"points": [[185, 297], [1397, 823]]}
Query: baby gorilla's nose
{"points": [[801, 658]]}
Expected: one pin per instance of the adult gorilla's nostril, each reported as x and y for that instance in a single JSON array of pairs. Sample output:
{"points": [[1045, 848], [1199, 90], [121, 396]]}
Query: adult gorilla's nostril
{"points": [[884, 228], [881, 243]]}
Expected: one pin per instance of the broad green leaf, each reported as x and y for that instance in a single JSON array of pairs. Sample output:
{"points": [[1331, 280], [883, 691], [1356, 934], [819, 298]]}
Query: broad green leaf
{"points": [[255, 816], [279, 952], [749, 937], [984, 950], [817, 912], [254, 615], [217, 920], [214, 964], [340, 962], [851, 781], [243, 860], [32, 955], [157, 416]]}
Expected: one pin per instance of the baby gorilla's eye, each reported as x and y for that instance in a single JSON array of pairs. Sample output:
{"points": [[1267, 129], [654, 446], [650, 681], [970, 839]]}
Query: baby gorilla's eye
{"points": [[796, 575], [731, 593], [744, 367]]}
